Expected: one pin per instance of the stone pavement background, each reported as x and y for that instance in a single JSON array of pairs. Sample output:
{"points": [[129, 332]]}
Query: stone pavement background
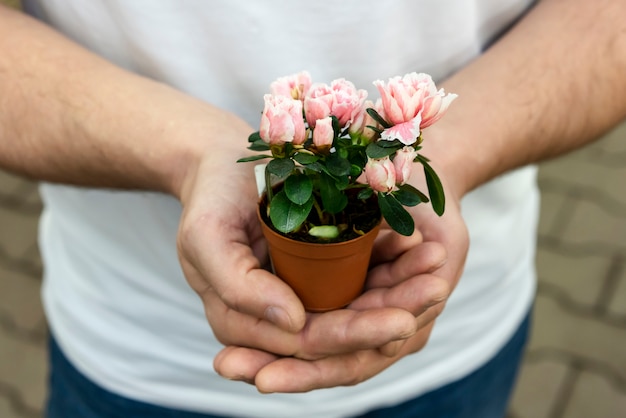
{"points": [[575, 366], [576, 363]]}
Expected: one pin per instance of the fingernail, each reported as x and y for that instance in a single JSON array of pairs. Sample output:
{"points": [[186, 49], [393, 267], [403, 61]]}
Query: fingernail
{"points": [[278, 317]]}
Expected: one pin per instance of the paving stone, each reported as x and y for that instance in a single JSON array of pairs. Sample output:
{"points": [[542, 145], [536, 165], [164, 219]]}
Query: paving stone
{"points": [[617, 306], [588, 174], [537, 388], [577, 333], [20, 303], [18, 232], [24, 368], [579, 279], [552, 204], [5, 408], [595, 396], [11, 183], [597, 227]]}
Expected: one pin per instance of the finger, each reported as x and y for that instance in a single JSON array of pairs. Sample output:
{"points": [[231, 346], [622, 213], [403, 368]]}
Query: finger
{"points": [[229, 268], [389, 245], [423, 258], [392, 348], [290, 375], [325, 334], [347, 330], [279, 374], [414, 295], [239, 363]]}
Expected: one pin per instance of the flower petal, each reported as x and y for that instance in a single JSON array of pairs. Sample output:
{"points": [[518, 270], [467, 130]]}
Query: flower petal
{"points": [[406, 132]]}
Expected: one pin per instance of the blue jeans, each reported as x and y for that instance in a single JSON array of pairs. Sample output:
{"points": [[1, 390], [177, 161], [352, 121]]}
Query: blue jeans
{"points": [[484, 393]]}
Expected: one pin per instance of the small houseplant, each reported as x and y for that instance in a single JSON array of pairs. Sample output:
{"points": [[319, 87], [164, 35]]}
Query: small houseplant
{"points": [[337, 163]]}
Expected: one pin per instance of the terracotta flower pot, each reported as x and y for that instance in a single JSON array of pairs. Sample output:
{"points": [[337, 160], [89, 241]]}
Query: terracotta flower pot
{"points": [[324, 276]]}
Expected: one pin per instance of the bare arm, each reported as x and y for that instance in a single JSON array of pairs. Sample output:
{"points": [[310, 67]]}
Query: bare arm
{"points": [[67, 115], [554, 83]]}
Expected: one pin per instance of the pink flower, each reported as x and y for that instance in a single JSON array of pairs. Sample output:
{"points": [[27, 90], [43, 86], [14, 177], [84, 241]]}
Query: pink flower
{"points": [[360, 122], [323, 134], [339, 99], [380, 174], [282, 121], [318, 103], [435, 106], [294, 86], [411, 103], [403, 163]]}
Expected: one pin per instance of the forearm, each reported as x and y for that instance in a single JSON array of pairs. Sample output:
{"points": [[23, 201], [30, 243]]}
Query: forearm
{"points": [[553, 83], [67, 115]]}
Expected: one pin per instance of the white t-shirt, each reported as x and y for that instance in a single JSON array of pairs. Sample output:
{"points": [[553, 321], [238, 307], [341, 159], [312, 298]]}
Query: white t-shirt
{"points": [[114, 293]]}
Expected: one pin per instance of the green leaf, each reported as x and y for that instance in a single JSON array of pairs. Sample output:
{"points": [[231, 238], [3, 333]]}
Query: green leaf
{"points": [[324, 231], [254, 137], [435, 189], [333, 200], [316, 166], [305, 158], [281, 167], [407, 197], [358, 159], [365, 194], [342, 182], [253, 158], [376, 116], [411, 189], [337, 166], [375, 129], [355, 170], [259, 146], [376, 152], [390, 144], [298, 188], [396, 216], [287, 216]]}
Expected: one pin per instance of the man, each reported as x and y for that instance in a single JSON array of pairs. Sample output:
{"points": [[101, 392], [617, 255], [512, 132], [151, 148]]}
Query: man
{"points": [[163, 104]]}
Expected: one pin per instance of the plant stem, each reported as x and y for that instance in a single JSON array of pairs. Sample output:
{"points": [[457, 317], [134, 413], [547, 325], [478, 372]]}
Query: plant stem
{"points": [[268, 187], [318, 209]]}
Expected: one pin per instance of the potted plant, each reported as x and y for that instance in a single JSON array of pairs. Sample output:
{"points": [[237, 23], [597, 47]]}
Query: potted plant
{"points": [[338, 163]]}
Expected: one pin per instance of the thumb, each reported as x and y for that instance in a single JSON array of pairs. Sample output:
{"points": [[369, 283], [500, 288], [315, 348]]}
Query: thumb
{"points": [[222, 261]]}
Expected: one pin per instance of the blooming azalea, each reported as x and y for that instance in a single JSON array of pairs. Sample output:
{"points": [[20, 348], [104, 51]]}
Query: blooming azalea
{"points": [[295, 86], [339, 99], [330, 146], [410, 104]]}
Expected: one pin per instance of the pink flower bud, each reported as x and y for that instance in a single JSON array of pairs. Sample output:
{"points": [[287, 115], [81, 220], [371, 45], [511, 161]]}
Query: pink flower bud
{"points": [[380, 174], [403, 163], [360, 122], [295, 86], [323, 134], [282, 121]]}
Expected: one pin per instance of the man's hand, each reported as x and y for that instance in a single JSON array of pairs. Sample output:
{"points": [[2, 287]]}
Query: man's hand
{"points": [[406, 291]]}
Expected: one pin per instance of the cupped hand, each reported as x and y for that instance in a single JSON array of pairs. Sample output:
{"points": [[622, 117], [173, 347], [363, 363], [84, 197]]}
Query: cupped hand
{"points": [[406, 290], [220, 243]]}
